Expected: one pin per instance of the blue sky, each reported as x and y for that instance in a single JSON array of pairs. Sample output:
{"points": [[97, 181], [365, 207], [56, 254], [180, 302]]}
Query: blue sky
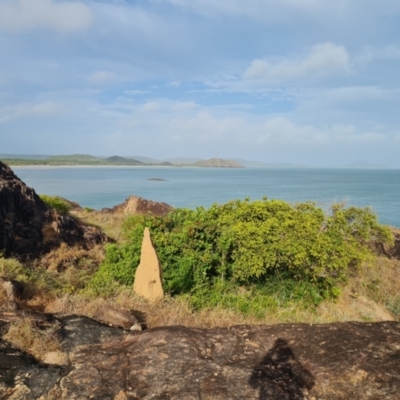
{"points": [[295, 81]]}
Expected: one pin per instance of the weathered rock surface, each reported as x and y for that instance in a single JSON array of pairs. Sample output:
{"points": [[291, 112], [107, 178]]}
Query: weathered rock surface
{"points": [[24, 378], [117, 317], [79, 331], [29, 228], [148, 283], [138, 206], [356, 361]]}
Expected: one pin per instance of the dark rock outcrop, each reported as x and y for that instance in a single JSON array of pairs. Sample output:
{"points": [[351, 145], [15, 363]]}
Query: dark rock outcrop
{"points": [[29, 228], [23, 377], [343, 361]]}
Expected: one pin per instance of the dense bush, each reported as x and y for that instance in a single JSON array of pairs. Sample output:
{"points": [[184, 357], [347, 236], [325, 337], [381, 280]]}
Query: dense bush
{"points": [[56, 202], [265, 246]]}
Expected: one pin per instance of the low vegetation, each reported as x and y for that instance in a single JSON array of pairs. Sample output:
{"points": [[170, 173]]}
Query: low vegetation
{"points": [[57, 203], [248, 256]]}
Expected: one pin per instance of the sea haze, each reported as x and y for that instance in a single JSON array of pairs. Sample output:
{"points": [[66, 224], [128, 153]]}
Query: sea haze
{"points": [[99, 187]]}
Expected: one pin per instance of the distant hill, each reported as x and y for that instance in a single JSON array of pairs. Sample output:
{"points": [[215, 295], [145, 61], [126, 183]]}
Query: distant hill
{"points": [[122, 161], [182, 160], [73, 159], [165, 161], [145, 160], [217, 163]]}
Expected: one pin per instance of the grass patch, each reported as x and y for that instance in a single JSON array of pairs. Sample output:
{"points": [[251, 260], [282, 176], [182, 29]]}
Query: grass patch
{"points": [[256, 300], [110, 223], [26, 335], [379, 281], [57, 203]]}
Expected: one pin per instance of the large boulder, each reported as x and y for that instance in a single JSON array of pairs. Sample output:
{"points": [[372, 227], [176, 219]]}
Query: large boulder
{"points": [[134, 205], [338, 361], [117, 317], [29, 228]]}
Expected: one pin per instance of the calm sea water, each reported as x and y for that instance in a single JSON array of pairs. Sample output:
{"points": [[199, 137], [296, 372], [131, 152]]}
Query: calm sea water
{"points": [[191, 187]]}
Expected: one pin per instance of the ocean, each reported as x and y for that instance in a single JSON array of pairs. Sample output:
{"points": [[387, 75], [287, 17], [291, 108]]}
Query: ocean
{"points": [[99, 187]]}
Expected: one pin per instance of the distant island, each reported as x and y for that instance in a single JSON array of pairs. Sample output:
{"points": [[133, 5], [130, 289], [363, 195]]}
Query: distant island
{"points": [[217, 163], [89, 160]]}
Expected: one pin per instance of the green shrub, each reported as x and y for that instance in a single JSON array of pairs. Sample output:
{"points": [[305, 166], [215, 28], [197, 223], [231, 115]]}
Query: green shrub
{"points": [[266, 246], [56, 202]]}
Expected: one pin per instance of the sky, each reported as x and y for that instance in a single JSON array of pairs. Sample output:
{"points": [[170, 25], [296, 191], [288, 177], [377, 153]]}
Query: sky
{"points": [[313, 82]]}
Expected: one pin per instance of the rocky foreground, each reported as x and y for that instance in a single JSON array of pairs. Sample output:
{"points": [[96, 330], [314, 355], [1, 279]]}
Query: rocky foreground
{"points": [[355, 361]]}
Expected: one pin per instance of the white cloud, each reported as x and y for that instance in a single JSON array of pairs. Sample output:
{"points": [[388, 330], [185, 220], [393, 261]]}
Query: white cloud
{"points": [[284, 10], [174, 84], [150, 107], [188, 123], [184, 105], [261, 9], [3, 78], [102, 77], [136, 92], [24, 15], [39, 110], [280, 130], [322, 61], [370, 54]]}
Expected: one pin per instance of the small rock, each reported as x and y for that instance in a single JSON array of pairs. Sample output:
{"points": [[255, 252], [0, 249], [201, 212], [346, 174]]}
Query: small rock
{"points": [[12, 289], [12, 292], [56, 358], [116, 317], [136, 328], [121, 396]]}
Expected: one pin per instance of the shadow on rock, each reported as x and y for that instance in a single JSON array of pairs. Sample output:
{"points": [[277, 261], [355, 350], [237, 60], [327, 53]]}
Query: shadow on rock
{"points": [[280, 376]]}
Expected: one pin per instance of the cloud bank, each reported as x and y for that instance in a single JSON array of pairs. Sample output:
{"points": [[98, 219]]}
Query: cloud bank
{"points": [[322, 61], [24, 15], [311, 81]]}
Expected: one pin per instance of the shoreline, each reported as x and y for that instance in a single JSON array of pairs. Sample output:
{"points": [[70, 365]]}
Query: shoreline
{"points": [[42, 166]]}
